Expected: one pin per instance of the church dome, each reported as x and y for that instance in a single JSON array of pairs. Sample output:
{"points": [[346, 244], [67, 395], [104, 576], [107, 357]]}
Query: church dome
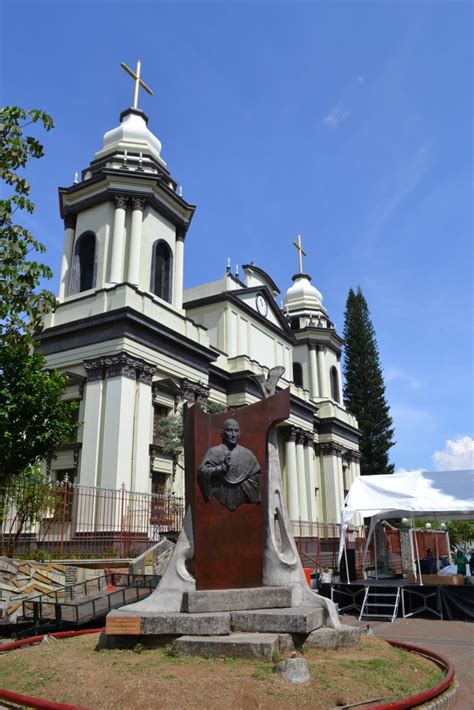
{"points": [[302, 295], [132, 136]]}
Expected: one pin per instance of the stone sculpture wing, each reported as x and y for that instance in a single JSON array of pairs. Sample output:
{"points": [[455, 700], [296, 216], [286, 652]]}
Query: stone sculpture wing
{"points": [[268, 384]]}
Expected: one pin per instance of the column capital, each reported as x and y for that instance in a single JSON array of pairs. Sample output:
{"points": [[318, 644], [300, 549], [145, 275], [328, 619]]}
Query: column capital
{"points": [[138, 203], [351, 456], [121, 201], [300, 436], [145, 373], [119, 365], [180, 234], [70, 221], [329, 448], [194, 391], [320, 347], [308, 439], [94, 370], [290, 433]]}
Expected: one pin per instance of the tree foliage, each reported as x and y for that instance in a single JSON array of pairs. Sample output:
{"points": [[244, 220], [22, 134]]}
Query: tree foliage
{"points": [[364, 389], [461, 532], [33, 417], [30, 499], [22, 305]]}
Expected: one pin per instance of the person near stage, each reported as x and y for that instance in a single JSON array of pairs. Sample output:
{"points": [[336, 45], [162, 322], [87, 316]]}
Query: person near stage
{"points": [[461, 561], [430, 561]]}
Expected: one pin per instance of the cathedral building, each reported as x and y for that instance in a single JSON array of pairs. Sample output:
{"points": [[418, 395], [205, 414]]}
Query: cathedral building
{"points": [[136, 344]]}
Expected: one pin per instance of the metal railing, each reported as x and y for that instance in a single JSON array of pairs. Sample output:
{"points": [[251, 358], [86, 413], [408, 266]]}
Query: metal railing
{"points": [[97, 597], [43, 520]]}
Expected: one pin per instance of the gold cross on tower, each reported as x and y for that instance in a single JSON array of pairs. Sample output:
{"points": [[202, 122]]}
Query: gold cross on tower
{"points": [[138, 82], [301, 252]]}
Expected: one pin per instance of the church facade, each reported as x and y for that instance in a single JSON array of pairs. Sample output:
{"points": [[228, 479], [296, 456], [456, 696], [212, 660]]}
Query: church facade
{"points": [[136, 344]]}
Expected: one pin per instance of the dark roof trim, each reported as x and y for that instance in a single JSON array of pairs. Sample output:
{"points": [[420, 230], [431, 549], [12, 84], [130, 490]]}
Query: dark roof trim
{"points": [[264, 275], [126, 323], [334, 342], [157, 195], [339, 428]]}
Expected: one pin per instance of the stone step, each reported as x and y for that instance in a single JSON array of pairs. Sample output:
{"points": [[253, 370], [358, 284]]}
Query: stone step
{"points": [[237, 645], [165, 623], [236, 599], [327, 639], [298, 620]]}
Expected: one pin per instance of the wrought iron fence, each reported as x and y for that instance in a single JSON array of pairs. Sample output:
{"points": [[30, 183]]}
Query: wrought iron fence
{"points": [[64, 520]]}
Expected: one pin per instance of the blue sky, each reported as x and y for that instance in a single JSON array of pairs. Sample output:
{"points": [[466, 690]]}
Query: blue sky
{"points": [[349, 122]]}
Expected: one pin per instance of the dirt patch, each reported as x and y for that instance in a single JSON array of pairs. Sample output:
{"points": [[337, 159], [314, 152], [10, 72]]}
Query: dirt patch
{"points": [[72, 671]]}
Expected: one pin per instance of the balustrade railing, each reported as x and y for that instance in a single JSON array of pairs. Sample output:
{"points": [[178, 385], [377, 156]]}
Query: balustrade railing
{"points": [[64, 520]]}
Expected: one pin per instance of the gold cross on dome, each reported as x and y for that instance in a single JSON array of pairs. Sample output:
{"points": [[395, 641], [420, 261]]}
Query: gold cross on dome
{"points": [[138, 82], [301, 252]]}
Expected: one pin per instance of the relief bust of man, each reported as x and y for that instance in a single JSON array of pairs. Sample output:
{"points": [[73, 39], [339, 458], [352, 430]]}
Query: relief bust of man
{"points": [[230, 472]]}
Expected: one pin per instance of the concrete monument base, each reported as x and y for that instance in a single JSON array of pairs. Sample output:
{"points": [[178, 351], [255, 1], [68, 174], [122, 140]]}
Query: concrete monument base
{"points": [[227, 623]]}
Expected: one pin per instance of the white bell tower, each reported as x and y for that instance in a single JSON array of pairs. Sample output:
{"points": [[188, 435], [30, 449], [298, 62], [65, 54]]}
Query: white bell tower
{"points": [[125, 222]]}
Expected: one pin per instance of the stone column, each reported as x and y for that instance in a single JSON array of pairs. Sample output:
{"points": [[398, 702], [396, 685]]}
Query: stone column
{"points": [[143, 429], [178, 271], [322, 375], [406, 550], [138, 205], [313, 371], [91, 433], [302, 491], [310, 477], [118, 240], [291, 474], [121, 376], [340, 483], [329, 474], [66, 260]]}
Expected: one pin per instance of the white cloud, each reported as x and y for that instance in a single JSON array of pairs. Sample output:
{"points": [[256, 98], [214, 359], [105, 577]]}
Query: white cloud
{"points": [[336, 116], [409, 470], [348, 98], [457, 454], [392, 374]]}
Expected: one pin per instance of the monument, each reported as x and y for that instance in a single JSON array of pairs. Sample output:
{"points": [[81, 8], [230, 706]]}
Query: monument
{"points": [[235, 584]]}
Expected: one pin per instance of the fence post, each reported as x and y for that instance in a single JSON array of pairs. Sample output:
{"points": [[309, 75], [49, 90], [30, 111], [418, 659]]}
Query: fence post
{"points": [[122, 503], [65, 492]]}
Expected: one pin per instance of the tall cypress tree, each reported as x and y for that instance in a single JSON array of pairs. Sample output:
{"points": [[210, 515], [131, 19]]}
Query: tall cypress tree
{"points": [[364, 388]]}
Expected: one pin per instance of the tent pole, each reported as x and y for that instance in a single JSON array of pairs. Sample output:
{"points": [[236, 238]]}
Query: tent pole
{"points": [[375, 550], [345, 557], [417, 556]]}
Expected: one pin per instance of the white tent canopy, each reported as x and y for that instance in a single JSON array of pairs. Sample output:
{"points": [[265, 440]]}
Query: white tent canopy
{"points": [[422, 494]]}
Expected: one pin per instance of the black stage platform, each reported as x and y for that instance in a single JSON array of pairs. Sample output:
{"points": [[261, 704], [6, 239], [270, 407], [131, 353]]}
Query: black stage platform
{"points": [[445, 601]]}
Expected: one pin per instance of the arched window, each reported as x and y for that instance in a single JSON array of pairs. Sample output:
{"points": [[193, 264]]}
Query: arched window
{"points": [[83, 275], [161, 271], [335, 385], [298, 374]]}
